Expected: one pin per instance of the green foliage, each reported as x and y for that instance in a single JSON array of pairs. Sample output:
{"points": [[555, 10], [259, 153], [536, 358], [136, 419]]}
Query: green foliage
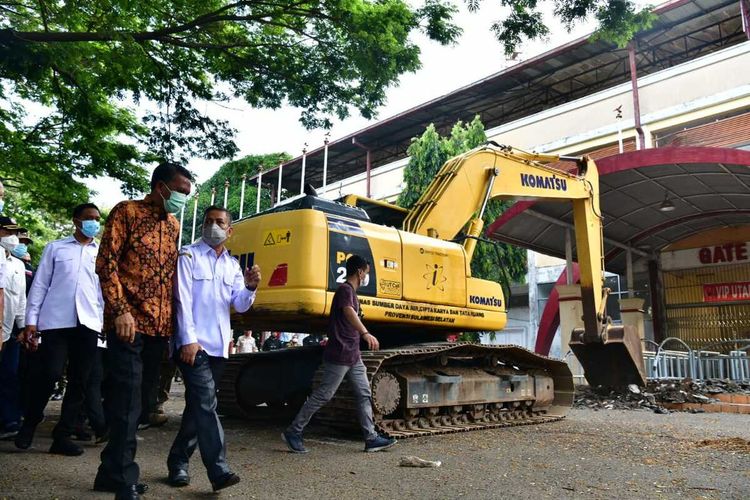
{"points": [[232, 171], [618, 20], [427, 154], [72, 74]]}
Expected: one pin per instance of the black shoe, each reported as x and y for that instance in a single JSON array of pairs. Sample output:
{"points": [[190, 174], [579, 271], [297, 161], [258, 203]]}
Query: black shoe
{"points": [[24, 437], [225, 481], [100, 485], [178, 478], [64, 446], [129, 492], [102, 437], [82, 435]]}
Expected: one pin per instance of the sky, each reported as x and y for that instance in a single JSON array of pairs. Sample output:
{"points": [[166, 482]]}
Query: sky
{"points": [[444, 69]]}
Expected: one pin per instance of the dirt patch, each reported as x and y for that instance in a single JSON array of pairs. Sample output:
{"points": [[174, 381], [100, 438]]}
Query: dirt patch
{"points": [[734, 444]]}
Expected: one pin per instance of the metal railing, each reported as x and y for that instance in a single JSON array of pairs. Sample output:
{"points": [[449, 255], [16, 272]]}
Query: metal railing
{"points": [[698, 364]]}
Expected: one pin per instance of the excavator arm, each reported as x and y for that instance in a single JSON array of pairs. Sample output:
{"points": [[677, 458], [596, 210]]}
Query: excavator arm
{"points": [[457, 199]]}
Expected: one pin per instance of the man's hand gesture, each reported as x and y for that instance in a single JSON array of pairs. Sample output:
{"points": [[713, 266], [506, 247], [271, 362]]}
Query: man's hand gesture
{"points": [[252, 277]]}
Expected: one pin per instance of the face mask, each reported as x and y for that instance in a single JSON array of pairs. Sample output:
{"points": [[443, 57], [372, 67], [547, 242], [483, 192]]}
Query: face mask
{"points": [[90, 228], [365, 280], [19, 251], [2, 205], [213, 235], [175, 202], [9, 242]]}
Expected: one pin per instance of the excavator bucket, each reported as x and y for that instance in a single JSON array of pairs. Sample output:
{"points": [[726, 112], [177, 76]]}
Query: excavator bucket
{"points": [[615, 359]]}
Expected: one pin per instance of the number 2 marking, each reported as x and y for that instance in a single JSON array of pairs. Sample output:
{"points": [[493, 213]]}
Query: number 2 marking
{"points": [[341, 275]]}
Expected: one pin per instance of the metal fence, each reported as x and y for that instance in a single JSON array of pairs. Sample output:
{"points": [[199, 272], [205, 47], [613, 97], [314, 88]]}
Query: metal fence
{"points": [[698, 364]]}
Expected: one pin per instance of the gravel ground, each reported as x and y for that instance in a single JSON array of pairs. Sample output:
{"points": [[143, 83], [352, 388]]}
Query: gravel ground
{"points": [[590, 454]]}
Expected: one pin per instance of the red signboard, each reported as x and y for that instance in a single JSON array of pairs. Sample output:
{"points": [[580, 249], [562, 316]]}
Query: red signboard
{"points": [[726, 292]]}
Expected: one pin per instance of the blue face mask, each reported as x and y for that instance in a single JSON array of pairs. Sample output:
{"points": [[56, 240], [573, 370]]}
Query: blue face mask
{"points": [[175, 202], [2, 205], [90, 228], [19, 250]]}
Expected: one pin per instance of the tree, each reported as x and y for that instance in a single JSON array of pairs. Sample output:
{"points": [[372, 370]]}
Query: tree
{"points": [[232, 171], [107, 87], [496, 262], [73, 73], [619, 20]]}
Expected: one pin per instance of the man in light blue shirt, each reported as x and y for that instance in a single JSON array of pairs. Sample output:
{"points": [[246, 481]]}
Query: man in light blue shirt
{"points": [[64, 304], [209, 282]]}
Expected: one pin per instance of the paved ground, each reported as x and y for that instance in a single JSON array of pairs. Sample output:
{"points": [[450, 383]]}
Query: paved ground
{"points": [[605, 454]]}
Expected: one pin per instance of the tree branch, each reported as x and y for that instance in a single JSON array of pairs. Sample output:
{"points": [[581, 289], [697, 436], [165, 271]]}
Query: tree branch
{"points": [[138, 36]]}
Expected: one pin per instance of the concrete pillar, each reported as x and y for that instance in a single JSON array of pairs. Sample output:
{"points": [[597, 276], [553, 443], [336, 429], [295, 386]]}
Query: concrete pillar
{"points": [[571, 316], [632, 313]]}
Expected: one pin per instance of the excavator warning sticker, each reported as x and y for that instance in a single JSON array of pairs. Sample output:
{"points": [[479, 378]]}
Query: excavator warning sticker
{"points": [[277, 237]]}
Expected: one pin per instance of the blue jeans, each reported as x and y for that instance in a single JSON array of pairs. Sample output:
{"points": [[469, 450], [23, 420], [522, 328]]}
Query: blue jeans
{"points": [[200, 423], [333, 375]]}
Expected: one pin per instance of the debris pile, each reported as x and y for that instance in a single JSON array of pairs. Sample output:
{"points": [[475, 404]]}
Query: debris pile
{"points": [[655, 394], [734, 444]]}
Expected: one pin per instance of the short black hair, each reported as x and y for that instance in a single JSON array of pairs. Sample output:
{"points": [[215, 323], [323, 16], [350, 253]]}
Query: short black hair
{"points": [[220, 209], [166, 171], [354, 264], [78, 210]]}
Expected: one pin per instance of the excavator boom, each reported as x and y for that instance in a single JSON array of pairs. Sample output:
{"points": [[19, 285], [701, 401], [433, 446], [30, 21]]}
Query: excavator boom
{"points": [[610, 355]]}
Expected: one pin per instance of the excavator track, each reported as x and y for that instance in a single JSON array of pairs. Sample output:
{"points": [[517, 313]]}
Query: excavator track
{"points": [[394, 418]]}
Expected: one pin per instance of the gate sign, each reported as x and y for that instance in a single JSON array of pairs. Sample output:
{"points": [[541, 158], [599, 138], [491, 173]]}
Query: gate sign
{"points": [[726, 292], [714, 255]]}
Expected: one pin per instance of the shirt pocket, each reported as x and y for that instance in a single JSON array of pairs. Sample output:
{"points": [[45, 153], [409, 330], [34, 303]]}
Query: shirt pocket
{"points": [[65, 262], [201, 272], [227, 282]]}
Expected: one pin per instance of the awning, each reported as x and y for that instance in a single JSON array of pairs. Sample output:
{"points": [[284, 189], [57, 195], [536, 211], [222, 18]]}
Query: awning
{"points": [[709, 187]]}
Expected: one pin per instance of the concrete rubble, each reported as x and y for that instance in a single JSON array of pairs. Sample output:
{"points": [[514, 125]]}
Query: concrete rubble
{"points": [[657, 394]]}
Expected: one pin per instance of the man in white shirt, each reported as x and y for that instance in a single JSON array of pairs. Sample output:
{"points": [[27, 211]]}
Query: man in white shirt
{"points": [[64, 304], [6, 226], [209, 282], [246, 343], [13, 322]]}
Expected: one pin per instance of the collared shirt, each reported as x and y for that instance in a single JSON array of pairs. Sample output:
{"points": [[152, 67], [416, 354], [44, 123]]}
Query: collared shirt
{"points": [[15, 296], [246, 344], [2, 267], [207, 285], [136, 265], [66, 289]]}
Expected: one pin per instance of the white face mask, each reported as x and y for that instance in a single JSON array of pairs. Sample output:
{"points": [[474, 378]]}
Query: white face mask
{"points": [[365, 280], [9, 242], [213, 235]]}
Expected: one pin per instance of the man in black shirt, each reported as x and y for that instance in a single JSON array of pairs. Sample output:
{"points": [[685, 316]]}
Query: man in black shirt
{"points": [[342, 358]]}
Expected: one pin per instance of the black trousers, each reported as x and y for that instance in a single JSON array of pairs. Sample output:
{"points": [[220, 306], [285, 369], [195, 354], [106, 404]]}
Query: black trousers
{"points": [[200, 425], [93, 405], [154, 351], [127, 367], [78, 347]]}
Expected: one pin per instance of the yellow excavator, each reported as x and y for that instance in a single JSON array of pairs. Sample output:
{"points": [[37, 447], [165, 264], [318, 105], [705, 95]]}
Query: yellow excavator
{"points": [[421, 291]]}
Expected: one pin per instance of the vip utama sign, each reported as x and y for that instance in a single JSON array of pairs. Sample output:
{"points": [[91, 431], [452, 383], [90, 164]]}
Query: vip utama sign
{"points": [[716, 255], [726, 292]]}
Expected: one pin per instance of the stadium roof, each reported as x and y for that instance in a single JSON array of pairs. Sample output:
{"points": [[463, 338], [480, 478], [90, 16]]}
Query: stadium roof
{"points": [[684, 30], [708, 188]]}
